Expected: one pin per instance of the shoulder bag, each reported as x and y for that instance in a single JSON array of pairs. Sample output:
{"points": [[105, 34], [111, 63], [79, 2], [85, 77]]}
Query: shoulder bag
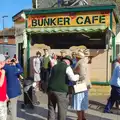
{"points": [[80, 87]]}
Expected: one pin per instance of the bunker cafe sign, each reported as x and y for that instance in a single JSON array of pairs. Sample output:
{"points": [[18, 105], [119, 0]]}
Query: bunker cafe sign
{"points": [[57, 20]]}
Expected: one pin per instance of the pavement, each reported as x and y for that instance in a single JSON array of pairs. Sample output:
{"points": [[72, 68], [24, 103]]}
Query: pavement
{"points": [[95, 111]]}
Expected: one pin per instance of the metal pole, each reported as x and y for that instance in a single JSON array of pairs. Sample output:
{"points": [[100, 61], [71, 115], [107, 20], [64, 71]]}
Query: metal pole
{"points": [[36, 4], [59, 3], [3, 35], [3, 32]]}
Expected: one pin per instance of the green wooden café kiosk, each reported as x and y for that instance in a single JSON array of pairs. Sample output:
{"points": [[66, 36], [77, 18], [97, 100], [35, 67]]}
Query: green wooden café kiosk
{"points": [[61, 28]]}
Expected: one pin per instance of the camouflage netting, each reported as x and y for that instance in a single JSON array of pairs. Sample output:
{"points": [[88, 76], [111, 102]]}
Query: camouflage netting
{"points": [[75, 48], [41, 46]]}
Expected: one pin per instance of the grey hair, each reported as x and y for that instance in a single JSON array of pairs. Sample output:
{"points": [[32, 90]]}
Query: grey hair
{"points": [[118, 56]]}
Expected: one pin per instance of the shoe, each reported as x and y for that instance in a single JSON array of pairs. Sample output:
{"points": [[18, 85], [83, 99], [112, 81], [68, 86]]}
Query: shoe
{"points": [[117, 106], [8, 112], [37, 89], [84, 119], [37, 103], [108, 112], [40, 89]]}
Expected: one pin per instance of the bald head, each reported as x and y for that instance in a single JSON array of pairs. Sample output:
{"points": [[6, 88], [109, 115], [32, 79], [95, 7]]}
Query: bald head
{"points": [[118, 57]]}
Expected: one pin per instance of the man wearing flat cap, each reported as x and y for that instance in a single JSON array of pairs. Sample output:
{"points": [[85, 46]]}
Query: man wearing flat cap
{"points": [[62, 54], [58, 88]]}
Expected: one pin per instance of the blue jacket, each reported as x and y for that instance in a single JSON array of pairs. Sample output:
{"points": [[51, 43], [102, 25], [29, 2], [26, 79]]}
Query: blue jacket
{"points": [[13, 84], [74, 63], [115, 80]]}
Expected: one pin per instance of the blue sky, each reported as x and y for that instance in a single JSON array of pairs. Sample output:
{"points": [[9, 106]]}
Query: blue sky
{"points": [[10, 8]]}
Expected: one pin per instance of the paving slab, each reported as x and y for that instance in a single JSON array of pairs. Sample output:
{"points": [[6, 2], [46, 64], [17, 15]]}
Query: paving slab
{"points": [[95, 111]]}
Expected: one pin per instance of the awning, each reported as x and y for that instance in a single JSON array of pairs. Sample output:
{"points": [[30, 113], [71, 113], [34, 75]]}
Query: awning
{"points": [[81, 29]]}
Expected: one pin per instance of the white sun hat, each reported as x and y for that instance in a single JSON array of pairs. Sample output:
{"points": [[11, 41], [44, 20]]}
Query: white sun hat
{"points": [[81, 54], [2, 58]]}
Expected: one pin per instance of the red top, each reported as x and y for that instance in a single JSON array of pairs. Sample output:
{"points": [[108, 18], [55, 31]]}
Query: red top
{"points": [[3, 91]]}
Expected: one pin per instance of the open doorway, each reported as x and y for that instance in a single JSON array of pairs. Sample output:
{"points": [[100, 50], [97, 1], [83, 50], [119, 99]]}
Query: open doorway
{"points": [[21, 54], [94, 41]]}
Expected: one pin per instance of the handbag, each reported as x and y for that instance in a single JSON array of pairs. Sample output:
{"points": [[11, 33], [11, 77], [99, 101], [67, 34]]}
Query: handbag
{"points": [[80, 87]]}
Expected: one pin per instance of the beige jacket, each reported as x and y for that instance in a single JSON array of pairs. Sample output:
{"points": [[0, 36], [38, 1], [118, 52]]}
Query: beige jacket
{"points": [[82, 68]]}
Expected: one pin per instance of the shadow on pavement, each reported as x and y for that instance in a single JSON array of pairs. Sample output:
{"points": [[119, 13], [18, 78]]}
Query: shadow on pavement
{"points": [[32, 114], [37, 113], [97, 106], [94, 105], [40, 113], [91, 117]]}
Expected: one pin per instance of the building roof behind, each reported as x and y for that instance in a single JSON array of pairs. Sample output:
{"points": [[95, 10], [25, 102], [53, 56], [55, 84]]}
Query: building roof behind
{"points": [[43, 3], [71, 7], [66, 9], [8, 32]]}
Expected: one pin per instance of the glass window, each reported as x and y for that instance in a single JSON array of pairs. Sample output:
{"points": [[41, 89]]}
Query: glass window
{"points": [[6, 39]]}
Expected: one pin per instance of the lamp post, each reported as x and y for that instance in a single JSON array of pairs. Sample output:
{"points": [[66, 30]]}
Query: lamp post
{"points": [[3, 17]]}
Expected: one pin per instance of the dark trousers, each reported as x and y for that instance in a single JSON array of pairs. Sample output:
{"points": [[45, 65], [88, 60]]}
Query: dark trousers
{"points": [[62, 101], [45, 78], [115, 95], [45, 73]]}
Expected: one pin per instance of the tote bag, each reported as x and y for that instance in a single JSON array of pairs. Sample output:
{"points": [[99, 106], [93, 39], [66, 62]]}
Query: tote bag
{"points": [[80, 87]]}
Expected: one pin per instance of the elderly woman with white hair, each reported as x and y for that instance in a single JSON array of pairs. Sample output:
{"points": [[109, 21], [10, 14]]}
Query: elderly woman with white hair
{"points": [[80, 99], [115, 86]]}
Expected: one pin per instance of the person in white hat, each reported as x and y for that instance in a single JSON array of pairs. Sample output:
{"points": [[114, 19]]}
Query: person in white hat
{"points": [[3, 92], [80, 100]]}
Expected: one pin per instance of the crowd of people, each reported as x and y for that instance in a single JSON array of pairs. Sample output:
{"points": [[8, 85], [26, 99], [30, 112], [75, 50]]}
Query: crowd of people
{"points": [[66, 81], [10, 88]]}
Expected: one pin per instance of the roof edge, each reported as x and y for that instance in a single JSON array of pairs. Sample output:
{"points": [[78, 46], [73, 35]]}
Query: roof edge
{"points": [[66, 9], [70, 9], [18, 14]]}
